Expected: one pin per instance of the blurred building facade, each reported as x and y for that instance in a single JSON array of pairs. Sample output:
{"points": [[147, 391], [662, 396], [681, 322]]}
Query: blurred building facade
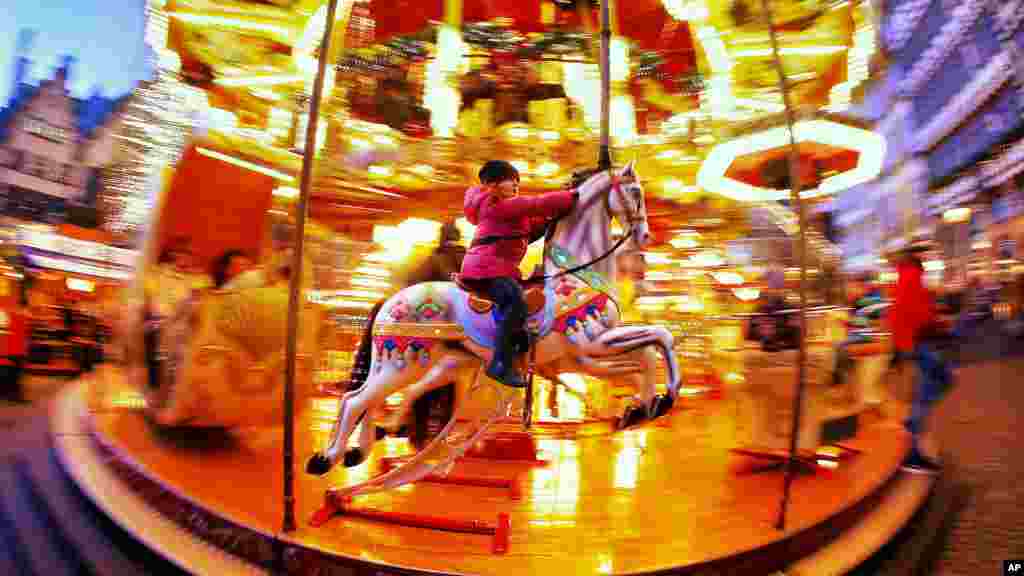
{"points": [[951, 105], [53, 148]]}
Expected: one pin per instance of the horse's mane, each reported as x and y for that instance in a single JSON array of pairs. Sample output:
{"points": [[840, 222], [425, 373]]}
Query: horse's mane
{"points": [[582, 175]]}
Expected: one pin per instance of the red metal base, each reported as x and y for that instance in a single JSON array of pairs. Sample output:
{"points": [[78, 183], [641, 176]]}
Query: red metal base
{"points": [[518, 446], [342, 506], [510, 484]]}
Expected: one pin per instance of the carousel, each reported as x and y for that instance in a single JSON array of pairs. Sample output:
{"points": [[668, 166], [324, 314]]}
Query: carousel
{"points": [[298, 395]]}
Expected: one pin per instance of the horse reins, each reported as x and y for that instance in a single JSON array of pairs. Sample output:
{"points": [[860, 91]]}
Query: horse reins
{"points": [[617, 188]]}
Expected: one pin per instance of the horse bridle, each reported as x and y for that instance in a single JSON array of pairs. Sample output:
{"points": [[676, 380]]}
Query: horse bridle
{"points": [[632, 212], [632, 217]]}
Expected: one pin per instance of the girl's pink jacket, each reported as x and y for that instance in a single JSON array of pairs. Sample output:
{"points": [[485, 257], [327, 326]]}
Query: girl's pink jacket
{"points": [[519, 216]]}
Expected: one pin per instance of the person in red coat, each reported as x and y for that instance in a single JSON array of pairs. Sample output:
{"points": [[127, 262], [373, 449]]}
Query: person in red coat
{"points": [[914, 330], [912, 308], [14, 332], [506, 223]]}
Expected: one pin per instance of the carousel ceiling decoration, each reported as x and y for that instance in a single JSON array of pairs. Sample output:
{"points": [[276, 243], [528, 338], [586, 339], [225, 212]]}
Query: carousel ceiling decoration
{"points": [[422, 91], [833, 157]]}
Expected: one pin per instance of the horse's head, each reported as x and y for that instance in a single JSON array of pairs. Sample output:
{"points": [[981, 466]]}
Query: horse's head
{"points": [[626, 202]]}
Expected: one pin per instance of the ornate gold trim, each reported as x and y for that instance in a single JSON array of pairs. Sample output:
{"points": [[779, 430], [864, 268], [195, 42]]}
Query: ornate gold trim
{"points": [[423, 330]]}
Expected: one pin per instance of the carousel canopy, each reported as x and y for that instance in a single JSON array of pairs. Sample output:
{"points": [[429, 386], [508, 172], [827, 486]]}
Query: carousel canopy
{"points": [[421, 92]]}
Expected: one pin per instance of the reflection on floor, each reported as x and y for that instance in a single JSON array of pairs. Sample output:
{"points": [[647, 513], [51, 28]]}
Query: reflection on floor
{"points": [[641, 500]]}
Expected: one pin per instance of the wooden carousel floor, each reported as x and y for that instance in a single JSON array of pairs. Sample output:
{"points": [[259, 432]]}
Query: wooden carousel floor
{"points": [[665, 495]]}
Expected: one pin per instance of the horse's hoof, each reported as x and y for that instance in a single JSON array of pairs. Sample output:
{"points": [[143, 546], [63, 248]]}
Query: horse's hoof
{"points": [[318, 465], [662, 404], [632, 416], [354, 457]]}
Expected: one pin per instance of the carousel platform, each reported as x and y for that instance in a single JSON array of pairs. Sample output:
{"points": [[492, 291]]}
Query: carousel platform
{"points": [[668, 498]]}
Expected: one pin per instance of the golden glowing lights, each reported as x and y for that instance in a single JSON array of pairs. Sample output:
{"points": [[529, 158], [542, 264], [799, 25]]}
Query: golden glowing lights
{"points": [[246, 164], [657, 258], [422, 169], [369, 282], [675, 188], [956, 215], [685, 10], [380, 171], [548, 169], [686, 240], [728, 278], [747, 294], [440, 94], [266, 80], [684, 243], [236, 22], [466, 229], [383, 257], [373, 271], [522, 166], [707, 259], [790, 51], [287, 192]]}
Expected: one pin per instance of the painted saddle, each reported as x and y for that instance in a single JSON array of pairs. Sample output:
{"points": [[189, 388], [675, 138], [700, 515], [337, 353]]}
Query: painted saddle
{"points": [[481, 303]]}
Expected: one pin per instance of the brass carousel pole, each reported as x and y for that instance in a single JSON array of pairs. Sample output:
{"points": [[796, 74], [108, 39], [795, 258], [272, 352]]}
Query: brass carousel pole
{"points": [[794, 184], [604, 160], [295, 279]]}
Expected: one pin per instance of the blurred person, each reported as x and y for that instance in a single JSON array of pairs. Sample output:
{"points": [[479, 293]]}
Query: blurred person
{"points": [[868, 306], [165, 287], [434, 407], [915, 333], [443, 261], [234, 269], [173, 278], [1015, 326], [395, 104], [772, 326], [510, 98], [86, 347], [477, 85], [15, 336]]}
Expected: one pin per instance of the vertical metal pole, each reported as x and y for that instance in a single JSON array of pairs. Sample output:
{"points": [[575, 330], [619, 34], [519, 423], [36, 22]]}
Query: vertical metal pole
{"points": [[794, 184], [295, 280], [604, 161]]}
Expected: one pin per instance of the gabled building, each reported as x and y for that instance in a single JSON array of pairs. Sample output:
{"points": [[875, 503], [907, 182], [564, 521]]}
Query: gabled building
{"points": [[52, 147]]}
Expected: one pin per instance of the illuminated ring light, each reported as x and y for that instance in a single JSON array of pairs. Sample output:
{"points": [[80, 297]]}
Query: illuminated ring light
{"points": [[870, 146]]}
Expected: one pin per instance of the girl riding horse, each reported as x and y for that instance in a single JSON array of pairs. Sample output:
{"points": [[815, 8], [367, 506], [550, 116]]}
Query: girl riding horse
{"points": [[506, 224]]}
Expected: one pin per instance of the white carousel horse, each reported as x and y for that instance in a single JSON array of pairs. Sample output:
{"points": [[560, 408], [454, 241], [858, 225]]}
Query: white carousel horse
{"points": [[432, 334]]}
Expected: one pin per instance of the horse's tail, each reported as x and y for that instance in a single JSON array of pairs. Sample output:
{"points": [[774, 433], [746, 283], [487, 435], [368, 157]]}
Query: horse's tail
{"points": [[361, 364]]}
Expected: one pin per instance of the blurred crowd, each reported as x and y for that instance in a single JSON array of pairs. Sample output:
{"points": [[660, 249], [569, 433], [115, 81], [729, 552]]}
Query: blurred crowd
{"points": [[65, 339]]}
